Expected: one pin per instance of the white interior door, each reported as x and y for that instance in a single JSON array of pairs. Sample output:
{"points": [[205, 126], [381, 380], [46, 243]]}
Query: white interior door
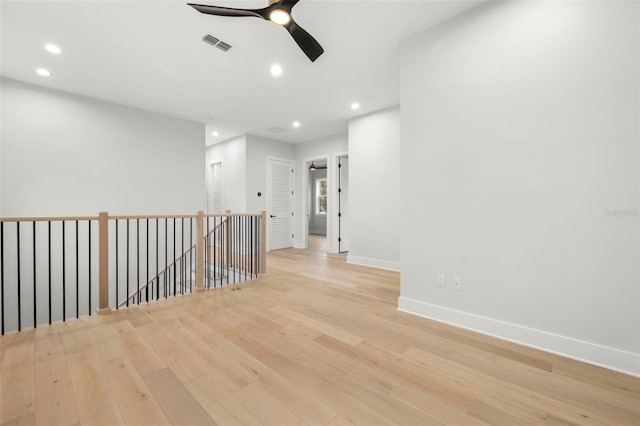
{"points": [[280, 208]]}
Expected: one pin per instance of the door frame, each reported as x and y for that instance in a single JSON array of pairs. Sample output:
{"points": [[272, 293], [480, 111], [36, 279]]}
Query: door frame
{"points": [[268, 180], [333, 242], [339, 184], [306, 162]]}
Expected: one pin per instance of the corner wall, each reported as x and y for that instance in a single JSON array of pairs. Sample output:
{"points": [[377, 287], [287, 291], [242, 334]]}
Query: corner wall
{"points": [[68, 155], [374, 189], [520, 161]]}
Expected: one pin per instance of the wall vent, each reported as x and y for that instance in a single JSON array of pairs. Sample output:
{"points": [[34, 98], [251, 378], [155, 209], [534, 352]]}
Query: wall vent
{"points": [[208, 38]]}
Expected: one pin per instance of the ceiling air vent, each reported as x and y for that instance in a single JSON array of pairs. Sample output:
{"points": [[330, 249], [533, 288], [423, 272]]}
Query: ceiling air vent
{"points": [[208, 38], [276, 129], [223, 46]]}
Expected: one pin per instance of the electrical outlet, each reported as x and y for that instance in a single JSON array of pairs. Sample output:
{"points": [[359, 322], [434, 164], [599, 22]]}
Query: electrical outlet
{"points": [[456, 284], [440, 280]]}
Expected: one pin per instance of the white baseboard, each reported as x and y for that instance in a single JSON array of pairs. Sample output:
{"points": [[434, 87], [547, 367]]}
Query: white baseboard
{"points": [[591, 353], [376, 263], [299, 246]]}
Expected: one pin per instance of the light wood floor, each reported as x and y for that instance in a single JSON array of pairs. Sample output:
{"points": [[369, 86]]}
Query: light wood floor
{"points": [[315, 341]]}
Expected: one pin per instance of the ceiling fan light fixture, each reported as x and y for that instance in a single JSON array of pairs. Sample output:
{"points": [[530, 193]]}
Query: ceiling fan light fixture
{"points": [[279, 17]]}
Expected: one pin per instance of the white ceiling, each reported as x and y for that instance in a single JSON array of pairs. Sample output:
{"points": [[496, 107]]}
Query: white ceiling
{"points": [[150, 55]]}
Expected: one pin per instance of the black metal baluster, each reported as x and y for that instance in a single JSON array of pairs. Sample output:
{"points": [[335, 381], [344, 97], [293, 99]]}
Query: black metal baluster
{"points": [[207, 256], [49, 231], [157, 258], [166, 250], [2, 276], [128, 273], [258, 243], [64, 274], [223, 248], [89, 228], [19, 280], [243, 244], [138, 261], [147, 282], [252, 243], [34, 278], [234, 255], [182, 271], [174, 256], [215, 256], [77, 269], [249, 243], [191, 255], [117, 299]]}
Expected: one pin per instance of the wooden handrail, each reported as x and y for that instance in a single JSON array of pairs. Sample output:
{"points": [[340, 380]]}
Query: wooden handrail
{"points": [[116, 217], [48, 219], [134, 217]]}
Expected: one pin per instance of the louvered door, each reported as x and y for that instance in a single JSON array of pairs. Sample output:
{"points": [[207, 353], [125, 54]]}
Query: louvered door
{"points": [[280, 209]]}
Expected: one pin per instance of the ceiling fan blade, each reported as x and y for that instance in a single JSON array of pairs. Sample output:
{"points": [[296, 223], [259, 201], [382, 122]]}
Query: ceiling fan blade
{"points": [[289, 3], [228, 11], [307, 43]]}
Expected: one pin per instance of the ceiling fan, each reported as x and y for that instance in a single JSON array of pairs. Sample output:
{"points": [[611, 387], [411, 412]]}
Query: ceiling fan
{"points": [[278, 12]]}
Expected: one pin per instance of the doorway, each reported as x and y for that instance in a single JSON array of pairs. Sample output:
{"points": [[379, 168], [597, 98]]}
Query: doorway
{"points": [[317, 202], [215, 189]]}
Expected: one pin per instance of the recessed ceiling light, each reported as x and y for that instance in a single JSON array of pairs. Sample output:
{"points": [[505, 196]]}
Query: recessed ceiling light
{"points": [[355, 106], [276, 70], [296, 124], [52, 48], [43, 72], [215, 134]]}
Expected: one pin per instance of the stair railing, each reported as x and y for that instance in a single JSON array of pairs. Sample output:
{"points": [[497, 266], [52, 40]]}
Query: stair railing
{"points": [[54, 269]]}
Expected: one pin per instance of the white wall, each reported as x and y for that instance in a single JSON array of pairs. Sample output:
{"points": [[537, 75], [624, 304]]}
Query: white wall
{"points": [[324, 148], [232, 155], [374, 185], [520, 143], [258, 149], [70, 155]]}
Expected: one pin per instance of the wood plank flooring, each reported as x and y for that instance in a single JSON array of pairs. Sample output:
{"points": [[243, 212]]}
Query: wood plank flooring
{"points": [[315, 341]]}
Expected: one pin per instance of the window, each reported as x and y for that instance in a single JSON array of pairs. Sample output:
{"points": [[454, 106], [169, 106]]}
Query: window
{"points": [[321, 196]]}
